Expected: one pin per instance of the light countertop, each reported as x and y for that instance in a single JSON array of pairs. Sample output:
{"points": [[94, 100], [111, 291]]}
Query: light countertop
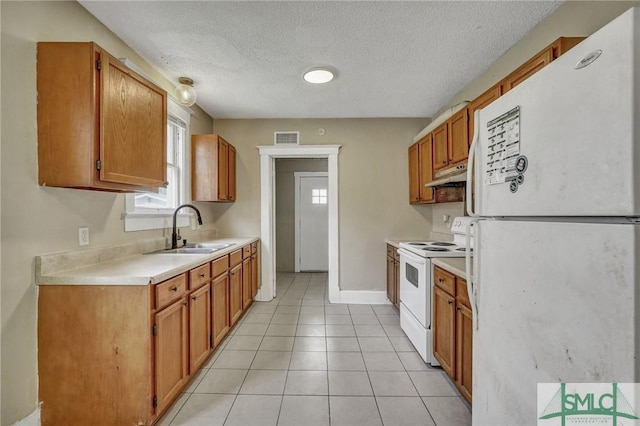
{"points": [[137, 269], [396, 241], [455, 265]]}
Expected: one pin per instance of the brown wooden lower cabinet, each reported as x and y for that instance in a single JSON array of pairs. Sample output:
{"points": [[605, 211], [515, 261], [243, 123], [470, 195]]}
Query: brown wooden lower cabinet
{"points": [[393, 276], [453, 329], [220, 305], [121, 354], [235, 293], [199, 327], [171, 348], [247, 297]]}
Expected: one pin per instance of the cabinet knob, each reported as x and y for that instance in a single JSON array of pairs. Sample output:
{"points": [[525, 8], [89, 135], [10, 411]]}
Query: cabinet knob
{"points": [[458, 308], [194, 298], [202, 275], [174, 288], [450, 302], [185, 303], [166, 184], [440, 280]]}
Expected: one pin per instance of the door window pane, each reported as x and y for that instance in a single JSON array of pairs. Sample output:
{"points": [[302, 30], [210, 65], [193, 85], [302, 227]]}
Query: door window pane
{"points": [[318, 196]]}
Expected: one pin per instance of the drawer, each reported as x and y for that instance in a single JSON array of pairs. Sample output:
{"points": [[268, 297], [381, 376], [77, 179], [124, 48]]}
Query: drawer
{"points": [[461, 291], [445, 280], [235, 258], [220, 266], [199, 276], [254, 247], [246, 251], [170, 290]]}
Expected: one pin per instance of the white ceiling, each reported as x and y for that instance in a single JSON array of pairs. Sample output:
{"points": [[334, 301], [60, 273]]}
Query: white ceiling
{"points": [[393, 59]]}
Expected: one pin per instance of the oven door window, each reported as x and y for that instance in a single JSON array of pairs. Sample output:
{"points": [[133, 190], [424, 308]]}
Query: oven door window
{"points": [[411, 274]]}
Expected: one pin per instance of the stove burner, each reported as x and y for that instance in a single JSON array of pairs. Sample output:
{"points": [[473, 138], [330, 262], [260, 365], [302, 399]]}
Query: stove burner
{"points": [[435, 249], [442, 244], [417, 244], [463, 249]]}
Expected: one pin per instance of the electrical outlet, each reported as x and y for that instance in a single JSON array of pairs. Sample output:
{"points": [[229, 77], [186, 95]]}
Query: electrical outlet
{"points": [[83, 236]]}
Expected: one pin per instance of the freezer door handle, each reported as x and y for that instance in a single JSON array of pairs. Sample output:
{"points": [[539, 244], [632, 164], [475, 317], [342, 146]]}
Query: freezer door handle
{"points": [[471, 161]]}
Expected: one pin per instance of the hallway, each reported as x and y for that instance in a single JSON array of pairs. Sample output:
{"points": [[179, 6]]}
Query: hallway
{"points": [[299, 360]]}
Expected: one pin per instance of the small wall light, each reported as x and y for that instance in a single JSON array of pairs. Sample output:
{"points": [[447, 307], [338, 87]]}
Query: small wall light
{"points": [[185, 93]]}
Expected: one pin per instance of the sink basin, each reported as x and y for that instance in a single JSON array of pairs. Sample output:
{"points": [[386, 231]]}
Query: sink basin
{"points": [[195, 248], [188, 250], [213, 246]]}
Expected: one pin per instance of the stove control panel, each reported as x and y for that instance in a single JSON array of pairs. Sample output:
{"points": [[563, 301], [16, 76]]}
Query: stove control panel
{"points": [[459, 225]]}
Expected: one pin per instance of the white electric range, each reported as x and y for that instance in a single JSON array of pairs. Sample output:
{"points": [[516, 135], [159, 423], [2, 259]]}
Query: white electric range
{"points": [[416, 284]]}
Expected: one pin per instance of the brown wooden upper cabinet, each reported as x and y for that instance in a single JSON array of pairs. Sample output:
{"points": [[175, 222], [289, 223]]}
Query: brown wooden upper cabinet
{"points": [[451, 141], [539, 61], [213, 169], [421, 171], [100, 125], [480, 102]]}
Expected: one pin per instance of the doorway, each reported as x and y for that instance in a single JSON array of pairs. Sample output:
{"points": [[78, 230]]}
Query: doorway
{"points": [[312, 222], [268, 155]]}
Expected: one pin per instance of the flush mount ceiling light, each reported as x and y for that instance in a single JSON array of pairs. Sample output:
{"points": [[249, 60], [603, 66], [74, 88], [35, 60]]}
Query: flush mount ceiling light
{"points": [[185, 92], [318, 76]]}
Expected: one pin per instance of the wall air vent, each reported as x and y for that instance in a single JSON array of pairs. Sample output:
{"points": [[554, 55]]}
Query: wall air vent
{"points": [[286, 138]]}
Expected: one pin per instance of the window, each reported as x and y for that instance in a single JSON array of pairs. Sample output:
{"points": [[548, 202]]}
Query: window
{"points": [[318, 196], [153, 210]]}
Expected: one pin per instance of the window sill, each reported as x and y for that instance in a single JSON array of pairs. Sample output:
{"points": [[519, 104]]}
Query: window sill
{"points": [[142, 221]]}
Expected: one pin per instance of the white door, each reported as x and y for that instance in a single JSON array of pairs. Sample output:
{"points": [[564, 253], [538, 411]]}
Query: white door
{"points": [[312, 239]]}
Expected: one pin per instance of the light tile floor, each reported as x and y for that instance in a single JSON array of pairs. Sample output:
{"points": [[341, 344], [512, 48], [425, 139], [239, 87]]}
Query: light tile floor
{"points": [[299, 360]]}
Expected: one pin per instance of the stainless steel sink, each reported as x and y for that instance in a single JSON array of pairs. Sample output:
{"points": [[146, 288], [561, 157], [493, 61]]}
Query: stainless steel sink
{"points": [[195, 248], [214, 246]]}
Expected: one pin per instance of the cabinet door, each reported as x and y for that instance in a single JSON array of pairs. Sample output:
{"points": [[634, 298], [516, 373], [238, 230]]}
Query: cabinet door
{"points": [[458, 137], [396, 280], [425, 154], [235, 293], [443, 329], [199, 327], [529, 68], [440, 146], [480, 102], [391, 289], [254, 275], [220, 306], [133, 121], [231, 174], [171, 350], [247, 298], [464, 350], [414, 175], [223, 169]]}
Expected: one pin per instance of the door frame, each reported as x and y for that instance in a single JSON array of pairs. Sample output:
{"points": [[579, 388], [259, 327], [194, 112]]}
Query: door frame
{"points": [[297, 176], [268, 154]]}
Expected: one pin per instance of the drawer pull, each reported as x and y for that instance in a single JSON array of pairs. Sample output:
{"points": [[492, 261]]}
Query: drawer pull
{"points": [[174, 288], [185, 303], [194, 298], [202, 275], [450, 302], [440, 280]]}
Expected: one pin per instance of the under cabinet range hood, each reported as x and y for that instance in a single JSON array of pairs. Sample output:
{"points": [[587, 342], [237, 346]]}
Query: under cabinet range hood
{"points": [[452, 175]]}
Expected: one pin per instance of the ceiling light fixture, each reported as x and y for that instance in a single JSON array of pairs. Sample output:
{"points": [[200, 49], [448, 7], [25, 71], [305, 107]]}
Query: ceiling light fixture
{"points": [[185, 92], [318, 76]]}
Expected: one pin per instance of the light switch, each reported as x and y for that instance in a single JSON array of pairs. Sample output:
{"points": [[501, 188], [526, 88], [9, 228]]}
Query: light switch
{"points": [[83, 236]]}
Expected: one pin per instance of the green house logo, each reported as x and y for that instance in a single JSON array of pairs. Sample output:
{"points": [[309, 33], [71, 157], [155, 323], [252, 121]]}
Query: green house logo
{"points": [[589, 403]]}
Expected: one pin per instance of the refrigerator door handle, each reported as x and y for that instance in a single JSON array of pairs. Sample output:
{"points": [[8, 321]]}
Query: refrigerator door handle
{"points": [[472, 155], [471, 286]]}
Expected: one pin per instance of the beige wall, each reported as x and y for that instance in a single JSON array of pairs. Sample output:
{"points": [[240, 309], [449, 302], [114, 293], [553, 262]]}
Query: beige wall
{"points": [[285, 206], [38, 220], [372, 186], [573, 18]]}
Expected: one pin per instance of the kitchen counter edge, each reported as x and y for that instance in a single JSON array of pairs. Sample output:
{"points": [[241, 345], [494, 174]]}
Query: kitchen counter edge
{"points": [[139, 269], [455, 265]]}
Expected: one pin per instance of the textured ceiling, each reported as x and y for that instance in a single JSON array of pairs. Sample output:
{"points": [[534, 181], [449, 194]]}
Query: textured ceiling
{"points": [[393, 59]]}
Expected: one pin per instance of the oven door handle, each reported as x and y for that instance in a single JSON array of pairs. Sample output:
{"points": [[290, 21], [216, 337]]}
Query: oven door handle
{"points": [[412, 257]]}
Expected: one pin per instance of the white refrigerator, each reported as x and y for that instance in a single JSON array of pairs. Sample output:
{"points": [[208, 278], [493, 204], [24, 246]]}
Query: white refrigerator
{"points": [[555, 287]]}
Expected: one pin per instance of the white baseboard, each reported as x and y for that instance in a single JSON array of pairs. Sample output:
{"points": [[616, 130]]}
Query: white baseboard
{"points": [[32, 419], [363, 297]]}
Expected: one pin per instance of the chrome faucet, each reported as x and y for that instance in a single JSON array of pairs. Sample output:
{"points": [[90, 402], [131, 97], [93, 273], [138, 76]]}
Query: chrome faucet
{"points": [[175, 236]]}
